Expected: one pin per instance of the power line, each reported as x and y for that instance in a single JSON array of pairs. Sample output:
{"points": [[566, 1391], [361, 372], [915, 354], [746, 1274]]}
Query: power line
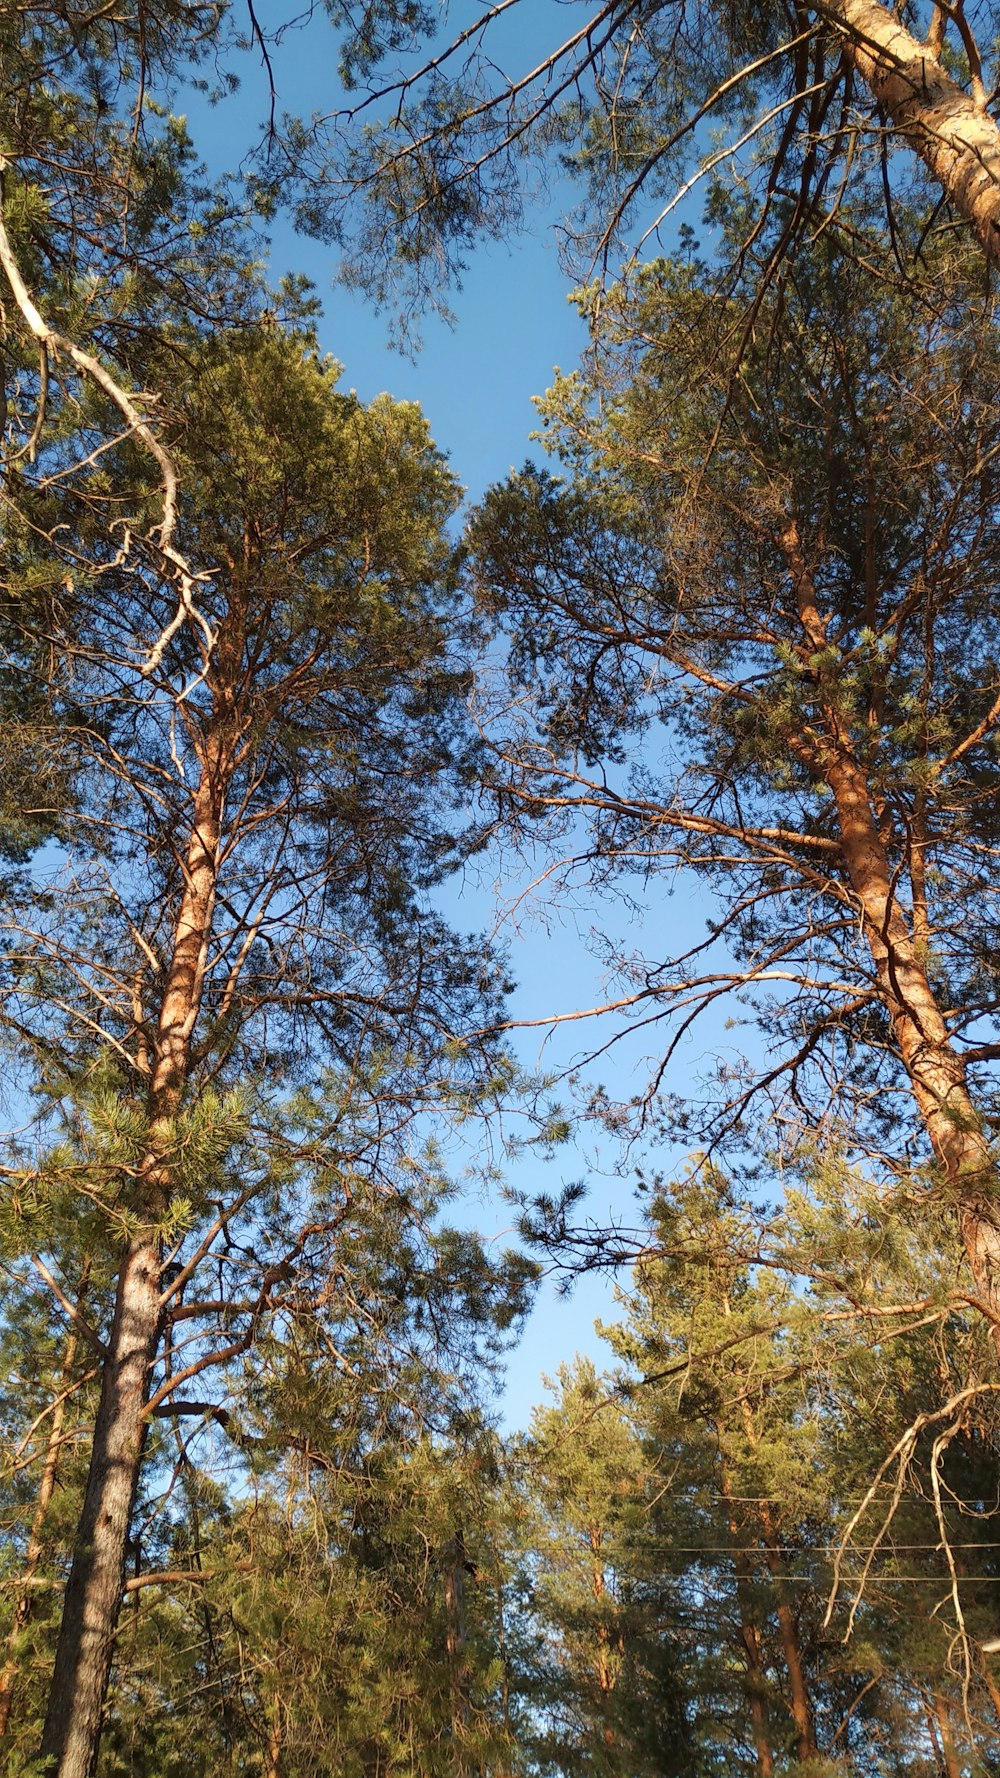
{"points": [[778, 1549]]}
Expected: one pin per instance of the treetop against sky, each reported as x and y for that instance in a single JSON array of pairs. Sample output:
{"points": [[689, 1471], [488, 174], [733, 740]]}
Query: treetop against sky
{"points": [[441, 144], [736, 630]]}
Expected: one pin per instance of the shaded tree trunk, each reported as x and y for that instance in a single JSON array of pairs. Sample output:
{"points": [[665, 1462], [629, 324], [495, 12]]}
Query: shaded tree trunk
{"points": [[36, 1546], [94, 1590], [275, 1739], [606, 1671], [942, 1739], [791, 1647], [992, 1692], [456, 1636], [788, 1631], [750, 1637]]}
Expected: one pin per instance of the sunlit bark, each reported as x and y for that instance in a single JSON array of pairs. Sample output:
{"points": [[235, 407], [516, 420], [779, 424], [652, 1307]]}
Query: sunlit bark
{"points": [[71, 1736], [949, 129], [936, 1071]]}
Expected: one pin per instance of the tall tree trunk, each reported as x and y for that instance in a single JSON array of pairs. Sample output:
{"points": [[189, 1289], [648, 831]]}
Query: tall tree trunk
{"points": [[788, 1631], [275, 1738], [606, 1671], [36, 1543], [992, 1692], [750, 1637], [456, 1638], [791, 1648], [94, 1590], [71, 1736], [935, 1069], [941, 1738], [949, 1757], [949, 129]]}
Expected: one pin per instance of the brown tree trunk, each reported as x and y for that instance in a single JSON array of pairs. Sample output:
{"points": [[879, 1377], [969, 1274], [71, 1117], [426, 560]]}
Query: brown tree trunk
{"points": [[36, 1545], [992, 1692], [802, 1714], [942, 1739], [606, 1669], [788, 1631], [71, 1736], [275, 1739], [756, 1681], [454, 1605], [949, 129], [94, 1590], [936, 1071]]}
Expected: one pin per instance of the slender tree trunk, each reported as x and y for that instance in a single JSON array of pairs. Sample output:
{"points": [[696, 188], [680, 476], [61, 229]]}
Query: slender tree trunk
{"points": [[756, 1684], [36, 1544], [949, 1758], [788, 1631], [941, 1738], [71, 1736], [993, 1692], [750, 1637], [791, 1648], [606, 1673], [949, 129], [275, 1739], [94, 1590], [456, 1637], [805, 1739], [935, 1069]]}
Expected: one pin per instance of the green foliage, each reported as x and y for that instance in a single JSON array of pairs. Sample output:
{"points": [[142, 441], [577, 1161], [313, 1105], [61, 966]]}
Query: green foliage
{"points": [[670, 691], [686, 1514]]}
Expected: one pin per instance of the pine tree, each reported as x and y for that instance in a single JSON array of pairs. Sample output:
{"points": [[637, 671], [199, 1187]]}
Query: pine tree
{"points": [[795, 104], [755, 626], [774, 1363], [588, 1485], [295, 1602], [236, 998]]}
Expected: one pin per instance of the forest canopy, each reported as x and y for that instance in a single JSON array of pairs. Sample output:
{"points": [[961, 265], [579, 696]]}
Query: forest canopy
{"points": [[273, 700]]}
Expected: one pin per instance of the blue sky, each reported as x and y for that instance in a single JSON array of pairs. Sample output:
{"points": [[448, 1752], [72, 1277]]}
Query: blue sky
{"points": [[475, 382]]}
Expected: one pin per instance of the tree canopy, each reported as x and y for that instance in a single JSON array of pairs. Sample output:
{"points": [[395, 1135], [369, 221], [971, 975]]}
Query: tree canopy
{"points": [[266, 705]]}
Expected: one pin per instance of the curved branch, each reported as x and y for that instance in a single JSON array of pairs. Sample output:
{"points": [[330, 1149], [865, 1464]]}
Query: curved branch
{"points": [[53, 345]]}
